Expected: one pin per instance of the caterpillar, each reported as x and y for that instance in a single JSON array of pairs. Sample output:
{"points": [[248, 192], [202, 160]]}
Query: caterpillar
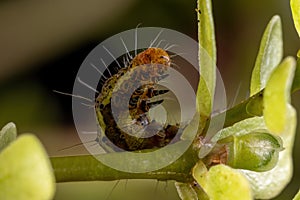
{"points": [[146, 69]]}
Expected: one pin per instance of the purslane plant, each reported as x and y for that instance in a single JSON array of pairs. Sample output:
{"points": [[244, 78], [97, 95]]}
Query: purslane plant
{"points": [[254, 145]]}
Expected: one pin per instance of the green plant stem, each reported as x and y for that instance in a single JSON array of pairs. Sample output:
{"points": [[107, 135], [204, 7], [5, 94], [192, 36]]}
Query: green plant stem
{"points": [[87, 168], [244, 110]]}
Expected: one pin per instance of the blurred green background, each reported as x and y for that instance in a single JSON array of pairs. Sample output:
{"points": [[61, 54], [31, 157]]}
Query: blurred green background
{"points": [[43, 43]]}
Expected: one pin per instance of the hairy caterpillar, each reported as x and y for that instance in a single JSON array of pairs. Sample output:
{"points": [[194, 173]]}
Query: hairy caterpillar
{"points": [[145, 70]]}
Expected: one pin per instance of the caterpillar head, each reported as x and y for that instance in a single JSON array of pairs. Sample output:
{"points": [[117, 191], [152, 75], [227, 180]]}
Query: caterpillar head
{"points": [[152, 55]]}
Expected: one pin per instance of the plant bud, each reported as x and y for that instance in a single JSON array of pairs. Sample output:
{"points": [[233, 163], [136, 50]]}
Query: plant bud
{"points": [[254, 151]]}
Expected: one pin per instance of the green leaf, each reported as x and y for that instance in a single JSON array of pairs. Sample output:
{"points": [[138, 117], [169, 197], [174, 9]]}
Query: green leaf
{"points": [[185, 191], [25, 171], [192, 191], [199, 169], [295, 6], [277, 96], [241, 128], [207, 58], [206, 33], [222, 182], [296, 83], [7, 135], [297, 197], [255, 106], [269, 55]]}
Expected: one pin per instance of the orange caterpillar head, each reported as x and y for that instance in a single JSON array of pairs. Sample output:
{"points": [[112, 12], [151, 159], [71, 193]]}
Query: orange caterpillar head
{"points": [[152, 55]]}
